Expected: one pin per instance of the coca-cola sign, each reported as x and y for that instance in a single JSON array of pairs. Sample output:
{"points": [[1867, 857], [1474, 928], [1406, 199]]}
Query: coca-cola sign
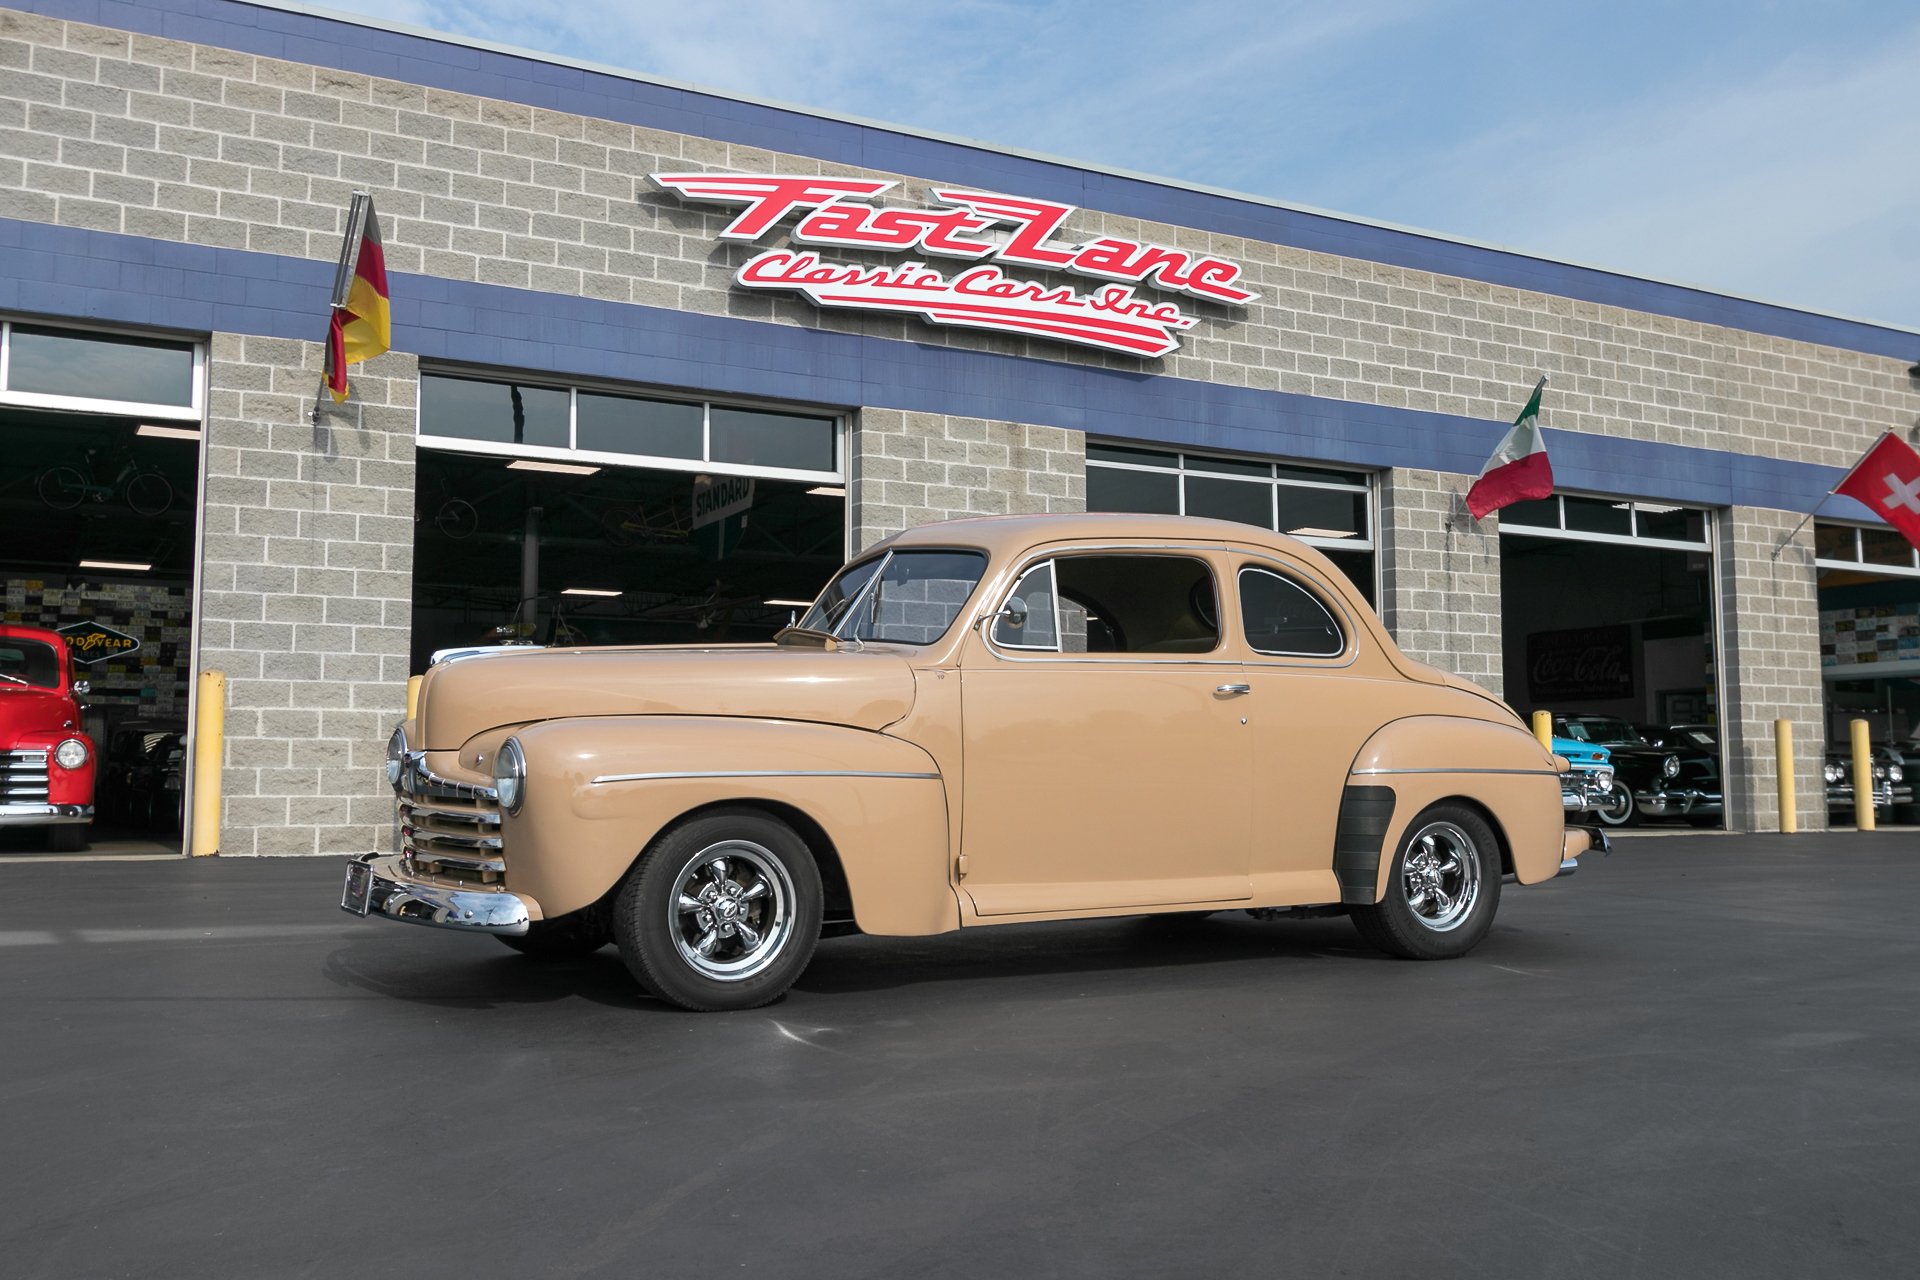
{"points": [[1589, 663], [988, 230]]}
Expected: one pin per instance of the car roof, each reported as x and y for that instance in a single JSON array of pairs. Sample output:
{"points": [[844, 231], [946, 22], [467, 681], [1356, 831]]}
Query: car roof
{"points": [[1003, 535]]}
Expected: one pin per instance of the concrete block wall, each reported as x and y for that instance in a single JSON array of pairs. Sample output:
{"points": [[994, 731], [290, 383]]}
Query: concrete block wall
{"points": [[147, 136], [1440, 575], [306, 592], [908, 469], [1771, 627]]}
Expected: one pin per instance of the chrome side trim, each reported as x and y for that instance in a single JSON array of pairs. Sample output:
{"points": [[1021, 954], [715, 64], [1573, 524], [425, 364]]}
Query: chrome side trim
{"points": [[755, 773], [1529, 773], [392, 894]]}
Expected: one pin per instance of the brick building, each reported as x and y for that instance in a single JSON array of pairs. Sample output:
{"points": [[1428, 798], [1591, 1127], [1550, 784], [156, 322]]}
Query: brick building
{"points": [[582, 351]]}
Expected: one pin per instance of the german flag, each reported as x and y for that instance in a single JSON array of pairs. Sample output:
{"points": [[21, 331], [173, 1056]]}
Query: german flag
{"points": [[362, 325]]}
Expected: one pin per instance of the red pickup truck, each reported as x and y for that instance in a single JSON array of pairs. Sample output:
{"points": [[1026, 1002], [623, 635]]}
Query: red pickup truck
{"points": [[46, 759]]}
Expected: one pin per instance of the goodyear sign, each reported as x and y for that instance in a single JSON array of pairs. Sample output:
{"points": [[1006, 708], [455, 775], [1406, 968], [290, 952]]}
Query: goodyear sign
{"points": [[93, 642]]}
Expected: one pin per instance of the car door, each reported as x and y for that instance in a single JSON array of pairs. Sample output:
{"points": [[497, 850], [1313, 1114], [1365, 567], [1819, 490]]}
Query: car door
{"points": [[1310, 708], [1106, 762]]}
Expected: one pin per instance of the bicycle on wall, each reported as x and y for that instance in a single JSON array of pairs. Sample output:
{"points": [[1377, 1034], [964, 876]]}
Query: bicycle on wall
{"points": [[145, 489]]}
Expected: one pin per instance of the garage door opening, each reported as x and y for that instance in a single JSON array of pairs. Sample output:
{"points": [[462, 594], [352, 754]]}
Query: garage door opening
{"points": [[99, 482], [1869, 583], [1608, 623], [538, 520]]}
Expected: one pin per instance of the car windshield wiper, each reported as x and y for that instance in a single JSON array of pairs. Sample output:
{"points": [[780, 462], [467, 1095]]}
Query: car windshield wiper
{"points": [[15, 679], [815, 639]]}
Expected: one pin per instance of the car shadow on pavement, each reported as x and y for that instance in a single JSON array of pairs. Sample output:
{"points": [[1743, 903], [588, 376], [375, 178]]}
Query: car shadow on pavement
{"points": [[397, 968]]}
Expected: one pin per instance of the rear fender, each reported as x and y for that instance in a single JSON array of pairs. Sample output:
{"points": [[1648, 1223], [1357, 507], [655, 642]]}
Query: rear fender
{"points": [[600, 789], [1421, 760]]}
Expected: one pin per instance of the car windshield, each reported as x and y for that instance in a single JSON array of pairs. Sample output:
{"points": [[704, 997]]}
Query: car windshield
{"points": [[28, 662], [1605, 730], [904, 597]]}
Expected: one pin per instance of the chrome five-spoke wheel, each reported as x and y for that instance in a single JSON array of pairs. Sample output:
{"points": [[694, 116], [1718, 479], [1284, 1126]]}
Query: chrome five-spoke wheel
{"points": [[721, 912], [732, 910], [1438, 898], [1440, 876]]}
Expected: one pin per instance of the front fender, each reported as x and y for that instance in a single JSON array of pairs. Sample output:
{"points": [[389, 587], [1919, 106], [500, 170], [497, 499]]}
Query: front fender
{"points": [[600, 789], [1422, 760]]}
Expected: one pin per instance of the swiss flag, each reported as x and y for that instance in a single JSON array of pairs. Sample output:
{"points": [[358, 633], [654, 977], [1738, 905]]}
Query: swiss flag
{"points": [[1518, 471], [1887, 481]]}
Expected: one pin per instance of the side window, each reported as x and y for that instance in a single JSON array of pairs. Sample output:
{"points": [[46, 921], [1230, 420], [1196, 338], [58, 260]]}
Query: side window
{"points": [[1134, 603], [1283, 617], [1034, 627]]}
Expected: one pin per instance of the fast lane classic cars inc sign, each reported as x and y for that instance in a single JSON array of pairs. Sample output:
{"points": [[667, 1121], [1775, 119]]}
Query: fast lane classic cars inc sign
{"points": [[995, 232]]}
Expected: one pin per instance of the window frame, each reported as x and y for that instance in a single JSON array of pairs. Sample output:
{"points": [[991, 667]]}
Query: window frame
{"points": [[192, 413], [1219, 655], [1240, 605], [1862, 565], [606, 458]]}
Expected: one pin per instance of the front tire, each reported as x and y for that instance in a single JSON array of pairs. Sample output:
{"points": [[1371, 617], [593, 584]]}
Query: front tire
{"points": [[722, 913], [70, 837], [1442, 890]]}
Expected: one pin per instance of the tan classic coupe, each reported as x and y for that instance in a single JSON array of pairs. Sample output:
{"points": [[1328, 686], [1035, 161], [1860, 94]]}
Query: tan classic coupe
{"points": [[978, 722]]}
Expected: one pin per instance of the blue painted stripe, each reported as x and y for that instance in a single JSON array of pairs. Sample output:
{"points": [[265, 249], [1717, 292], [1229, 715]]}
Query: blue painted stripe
{"points": [[446, 64], [67, 273]]}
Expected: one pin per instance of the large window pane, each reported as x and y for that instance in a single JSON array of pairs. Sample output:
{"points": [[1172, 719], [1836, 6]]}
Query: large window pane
{"points": [[1884, 546], [56, 362], [1681, 524], [763, 439], [1598, 515], [628, 424], [1323, 513], [1229, 466], [498, 412], [1834, 542], [1541, 514], [1109, 489], [1243, 501]]}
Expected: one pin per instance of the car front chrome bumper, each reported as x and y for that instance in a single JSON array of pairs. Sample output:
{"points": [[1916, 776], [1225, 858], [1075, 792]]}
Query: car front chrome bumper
{"points": [[1674, 804], [44, 815], [380, 884]]}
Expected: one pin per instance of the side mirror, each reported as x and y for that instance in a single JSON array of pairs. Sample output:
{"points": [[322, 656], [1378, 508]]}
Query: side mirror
{"points": [[80, 687], [1014, 613]]}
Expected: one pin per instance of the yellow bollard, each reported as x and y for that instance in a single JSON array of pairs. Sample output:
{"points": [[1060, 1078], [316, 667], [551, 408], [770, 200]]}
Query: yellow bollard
{"points": [[1783, 766], [413, 696], [209, 749], [1543, 729], [1862, 776]]}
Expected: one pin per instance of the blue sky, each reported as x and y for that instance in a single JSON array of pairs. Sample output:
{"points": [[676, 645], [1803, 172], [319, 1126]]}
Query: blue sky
{"points": [[1759, 148]]}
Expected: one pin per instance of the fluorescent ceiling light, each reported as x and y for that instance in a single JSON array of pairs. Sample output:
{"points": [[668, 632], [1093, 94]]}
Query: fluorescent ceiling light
{"points": [[828, 491], [588, 591], [1310, 532], [168, 433], [115, 564], [563, 468], [789, 604]]}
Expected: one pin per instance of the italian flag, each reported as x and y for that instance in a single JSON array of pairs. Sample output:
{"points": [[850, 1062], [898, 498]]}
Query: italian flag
{"points": [[1518, 470]]}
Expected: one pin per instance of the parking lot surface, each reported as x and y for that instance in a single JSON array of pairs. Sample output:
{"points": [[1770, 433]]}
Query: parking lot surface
{"points": [[1694, 1058]]}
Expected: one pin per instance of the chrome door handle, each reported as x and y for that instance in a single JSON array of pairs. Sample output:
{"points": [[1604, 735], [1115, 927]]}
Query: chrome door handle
{"points": [[1234, 689]]}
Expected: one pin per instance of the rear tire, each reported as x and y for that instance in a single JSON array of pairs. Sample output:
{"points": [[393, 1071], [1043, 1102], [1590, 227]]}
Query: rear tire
{"points": [[722, 912], [578, 933], [1442, 890]]}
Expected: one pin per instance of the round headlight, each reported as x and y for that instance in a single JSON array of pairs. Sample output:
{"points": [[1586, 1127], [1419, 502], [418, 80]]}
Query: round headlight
{"points": [[1880, 772], [1895, 773], [1836, 774], [396, 755], [1603, 778], [510, 775], [1670, 767], [70, 754]]}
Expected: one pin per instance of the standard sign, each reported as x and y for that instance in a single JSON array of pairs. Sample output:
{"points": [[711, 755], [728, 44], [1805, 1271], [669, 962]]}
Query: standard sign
{"points": [[986, 229], [725, 496]]}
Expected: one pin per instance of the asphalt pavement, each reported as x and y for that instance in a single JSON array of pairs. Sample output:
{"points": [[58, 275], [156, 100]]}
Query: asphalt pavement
{"points": [[1696, 1058]]}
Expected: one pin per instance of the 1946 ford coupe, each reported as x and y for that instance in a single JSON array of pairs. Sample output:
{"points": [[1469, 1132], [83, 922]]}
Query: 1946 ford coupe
{"points": [[977, 722]]}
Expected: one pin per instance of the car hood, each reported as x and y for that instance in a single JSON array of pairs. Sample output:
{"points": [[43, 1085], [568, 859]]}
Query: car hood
{"points": [[24, 711], [866, 689]]}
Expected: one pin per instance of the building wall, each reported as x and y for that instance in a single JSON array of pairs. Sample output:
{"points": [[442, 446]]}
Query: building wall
{"points": [[306, 595], [1771, 630], [193, 145], [907, 469]]}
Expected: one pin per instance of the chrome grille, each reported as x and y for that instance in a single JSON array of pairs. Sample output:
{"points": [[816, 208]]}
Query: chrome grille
{"points": [[448, 828], [23, 777]]}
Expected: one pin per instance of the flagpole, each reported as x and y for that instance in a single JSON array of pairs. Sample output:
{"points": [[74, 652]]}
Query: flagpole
{"points": [[1797, 528], [343, 278]]}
